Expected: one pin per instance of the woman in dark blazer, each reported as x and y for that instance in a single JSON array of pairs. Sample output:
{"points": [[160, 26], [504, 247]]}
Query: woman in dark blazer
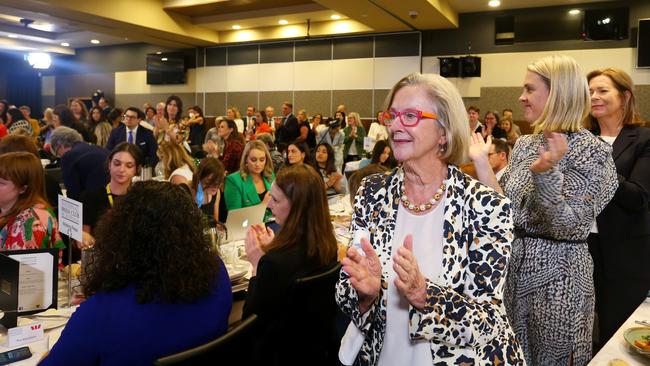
{"points": [[251, 184], [304, 245], [620, 239]]}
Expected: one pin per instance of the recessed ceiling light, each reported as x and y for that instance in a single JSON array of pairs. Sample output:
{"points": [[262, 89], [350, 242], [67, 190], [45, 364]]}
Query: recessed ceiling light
{"points": [[65, 44], [494, 3], [158, 53], [283, 22], [236, 26], [574, 11], [335, 17], [164, 59], [12, 36], [94, 41]]}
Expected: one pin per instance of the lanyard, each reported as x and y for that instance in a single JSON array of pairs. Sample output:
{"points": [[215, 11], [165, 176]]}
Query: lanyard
{"points": [[110, 195], [199, 195]]}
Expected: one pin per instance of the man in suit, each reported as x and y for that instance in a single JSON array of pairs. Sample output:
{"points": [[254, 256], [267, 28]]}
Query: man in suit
{"points": [[249, 119], [83, 166], [131, 132], [290, 129]]}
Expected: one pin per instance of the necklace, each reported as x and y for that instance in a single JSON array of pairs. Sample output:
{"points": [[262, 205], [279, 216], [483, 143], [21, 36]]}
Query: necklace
{"points": [[425, 206]]}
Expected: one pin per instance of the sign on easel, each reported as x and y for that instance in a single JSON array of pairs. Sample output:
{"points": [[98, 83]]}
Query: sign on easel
{"points": [[71, 218]]}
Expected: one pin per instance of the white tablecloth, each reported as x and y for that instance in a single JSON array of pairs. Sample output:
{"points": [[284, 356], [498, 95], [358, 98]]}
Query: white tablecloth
{"points": [[617, 347]]}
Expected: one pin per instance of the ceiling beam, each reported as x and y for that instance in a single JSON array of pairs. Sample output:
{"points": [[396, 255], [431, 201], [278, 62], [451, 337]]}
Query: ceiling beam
{"points": [[263, 13], [27, 31], [142, 20]]}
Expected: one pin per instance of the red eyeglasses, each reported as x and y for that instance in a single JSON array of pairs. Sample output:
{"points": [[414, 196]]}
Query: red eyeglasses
{"points": [[408, 117]]}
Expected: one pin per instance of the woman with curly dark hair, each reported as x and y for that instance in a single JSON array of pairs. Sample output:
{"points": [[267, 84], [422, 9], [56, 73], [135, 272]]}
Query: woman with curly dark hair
{"points": [[142, 278]]}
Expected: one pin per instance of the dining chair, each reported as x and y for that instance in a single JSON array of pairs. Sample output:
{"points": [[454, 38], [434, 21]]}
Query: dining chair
{"points": [[224, 350]]}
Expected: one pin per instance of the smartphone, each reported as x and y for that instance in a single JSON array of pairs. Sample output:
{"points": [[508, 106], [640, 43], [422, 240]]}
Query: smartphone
{"points": [[15, 355]]}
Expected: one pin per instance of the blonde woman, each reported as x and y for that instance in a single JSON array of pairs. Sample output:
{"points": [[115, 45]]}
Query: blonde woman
{"points": [[234, 114], [252, 183], [559, 178], [178, 166]]}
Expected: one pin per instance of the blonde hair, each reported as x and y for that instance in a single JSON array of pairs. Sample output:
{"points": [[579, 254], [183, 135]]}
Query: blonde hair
{"points": [[173, 156], [568, 100], [623, 84], [235, 111], [356, 117], [268, 165], [452, 117]]}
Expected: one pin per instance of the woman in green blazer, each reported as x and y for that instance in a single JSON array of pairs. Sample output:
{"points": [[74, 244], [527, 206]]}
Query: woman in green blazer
{"points": [[252, 183], [353, 142]]}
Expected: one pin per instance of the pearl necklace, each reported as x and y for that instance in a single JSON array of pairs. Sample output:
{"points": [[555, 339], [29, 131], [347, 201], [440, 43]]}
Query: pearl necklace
{"points": [[425, 206]]}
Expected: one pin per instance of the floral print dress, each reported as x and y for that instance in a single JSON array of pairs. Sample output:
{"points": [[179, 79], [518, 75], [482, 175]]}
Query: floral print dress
{"points": [[32, 228]]}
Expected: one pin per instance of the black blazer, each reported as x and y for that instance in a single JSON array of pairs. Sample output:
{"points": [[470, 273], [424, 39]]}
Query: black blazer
{"points": [[143, 139], [624, 224]]}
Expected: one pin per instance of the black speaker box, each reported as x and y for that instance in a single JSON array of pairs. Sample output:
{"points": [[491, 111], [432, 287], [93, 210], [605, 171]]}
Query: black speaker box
{"points": [[470, 66], [449, 67]]}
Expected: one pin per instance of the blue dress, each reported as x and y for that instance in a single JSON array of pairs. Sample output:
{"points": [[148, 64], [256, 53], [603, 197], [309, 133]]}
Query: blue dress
{"points": [[113, 329]]}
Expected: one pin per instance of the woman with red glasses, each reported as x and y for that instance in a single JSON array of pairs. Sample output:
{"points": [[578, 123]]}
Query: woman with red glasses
{"points": [[425, 284]]}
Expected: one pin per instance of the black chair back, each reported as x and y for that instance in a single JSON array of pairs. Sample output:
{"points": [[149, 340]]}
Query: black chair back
{"points": [[314, 305], [225, 350]]}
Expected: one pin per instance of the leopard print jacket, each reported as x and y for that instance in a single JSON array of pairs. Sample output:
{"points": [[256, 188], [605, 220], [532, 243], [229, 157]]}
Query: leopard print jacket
{"points": [[464, 318]]}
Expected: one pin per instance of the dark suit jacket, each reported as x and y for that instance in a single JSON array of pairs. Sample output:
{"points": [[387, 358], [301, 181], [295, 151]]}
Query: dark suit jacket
{"points": [[143, 139], [624, 224], [278, 339], [290, 130], [84, 168]]}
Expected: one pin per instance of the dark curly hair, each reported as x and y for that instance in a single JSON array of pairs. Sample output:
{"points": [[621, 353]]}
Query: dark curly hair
{"points": [[153, 239]]}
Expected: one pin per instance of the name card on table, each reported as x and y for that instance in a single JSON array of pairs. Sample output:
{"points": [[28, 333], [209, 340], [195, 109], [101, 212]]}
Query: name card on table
{"points": [[71, 218], [26, 334]]}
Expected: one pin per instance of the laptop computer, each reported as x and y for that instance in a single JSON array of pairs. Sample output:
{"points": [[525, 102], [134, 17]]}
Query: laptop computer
{"points": [[239, 220]]}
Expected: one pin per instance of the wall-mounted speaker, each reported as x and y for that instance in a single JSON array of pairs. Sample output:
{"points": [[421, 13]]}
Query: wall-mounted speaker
{"points": [[470, 66], [449, 67]]}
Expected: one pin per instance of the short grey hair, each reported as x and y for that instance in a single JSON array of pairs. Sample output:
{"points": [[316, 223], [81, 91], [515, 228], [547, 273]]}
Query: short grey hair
{"points": [[64, 137]]}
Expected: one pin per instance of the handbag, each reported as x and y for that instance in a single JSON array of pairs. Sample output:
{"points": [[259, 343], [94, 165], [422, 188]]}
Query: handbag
{"points": [[351, 344]]}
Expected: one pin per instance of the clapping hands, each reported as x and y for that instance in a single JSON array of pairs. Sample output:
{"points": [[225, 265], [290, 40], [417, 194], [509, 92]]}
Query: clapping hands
{"points": [[257, 237], [557, 148]]}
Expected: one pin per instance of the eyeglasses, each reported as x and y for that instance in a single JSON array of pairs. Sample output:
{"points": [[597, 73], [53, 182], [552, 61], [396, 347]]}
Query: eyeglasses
{"points": [[126, 116], [408, 117]]}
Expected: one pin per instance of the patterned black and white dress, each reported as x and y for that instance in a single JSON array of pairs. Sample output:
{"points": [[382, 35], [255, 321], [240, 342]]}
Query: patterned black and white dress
{"points": [[549, 292]]}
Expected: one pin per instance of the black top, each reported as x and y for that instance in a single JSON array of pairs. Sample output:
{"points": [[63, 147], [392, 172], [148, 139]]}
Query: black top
{"points": [[261, 195], [311, 136], [52, 191], [95, 205]]}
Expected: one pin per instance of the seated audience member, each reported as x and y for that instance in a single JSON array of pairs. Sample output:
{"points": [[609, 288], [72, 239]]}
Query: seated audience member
{"points": [[47, 127], [195, 123], [276, 156], [298, 153], [213, 143], [83, 166], [171, 124], [206, 186], [63, 116], [507, 113], [491, 126], [115, 117], [16, 143], [508, 127], [355, 179], [124, 163], [304, 245], [143, 281], [16, 121], [233, 145], [317, 124], [26, 111], [251, 184], [150, 115], [473, 114], [130, 131], [178, 166], [334, 137], [325, 164], [102, 128], [26, 219], [95, 117], [382, 154], [498, 157]]}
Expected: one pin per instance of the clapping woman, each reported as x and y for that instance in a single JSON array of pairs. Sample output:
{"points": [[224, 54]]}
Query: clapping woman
{"points": [[26, 219], [304, 245], [426, 285], [558, 179]]}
